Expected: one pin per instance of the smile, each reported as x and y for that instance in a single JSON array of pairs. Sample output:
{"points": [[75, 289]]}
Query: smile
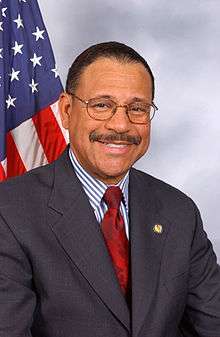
{"points": [[117, 145], [115, 148]]}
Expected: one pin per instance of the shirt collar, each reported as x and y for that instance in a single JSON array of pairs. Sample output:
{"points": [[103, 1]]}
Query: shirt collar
{"points": [[95, 188]]}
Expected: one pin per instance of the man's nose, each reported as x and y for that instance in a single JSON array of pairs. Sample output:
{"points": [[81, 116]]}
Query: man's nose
{"points": [[119, 122]]}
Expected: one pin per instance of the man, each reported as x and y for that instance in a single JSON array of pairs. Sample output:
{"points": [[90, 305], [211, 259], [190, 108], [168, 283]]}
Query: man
{"points": [[92, 247]]}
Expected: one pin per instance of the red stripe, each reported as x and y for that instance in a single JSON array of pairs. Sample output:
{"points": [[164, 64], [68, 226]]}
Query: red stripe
{"points": [[49, 133], [15, 164], [2, 173]]}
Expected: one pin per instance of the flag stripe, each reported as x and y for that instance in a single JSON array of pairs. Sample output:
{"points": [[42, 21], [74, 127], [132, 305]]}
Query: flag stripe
{"points": [[49, 133], [55, 109], [28, 145], [15, 166], [2, 172], [4, 166]]}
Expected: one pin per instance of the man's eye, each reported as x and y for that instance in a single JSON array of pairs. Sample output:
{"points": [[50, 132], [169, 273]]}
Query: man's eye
{"points": [[101, 105]]}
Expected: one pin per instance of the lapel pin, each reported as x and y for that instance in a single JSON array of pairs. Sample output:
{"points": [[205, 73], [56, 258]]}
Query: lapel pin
{"points": [[158, 229]]}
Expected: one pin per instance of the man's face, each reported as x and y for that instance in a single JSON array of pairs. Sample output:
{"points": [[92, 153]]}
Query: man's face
{"points": [[123, 83]]}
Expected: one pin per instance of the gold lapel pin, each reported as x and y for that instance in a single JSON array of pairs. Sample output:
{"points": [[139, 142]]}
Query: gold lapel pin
{"points": [[158, 229]]}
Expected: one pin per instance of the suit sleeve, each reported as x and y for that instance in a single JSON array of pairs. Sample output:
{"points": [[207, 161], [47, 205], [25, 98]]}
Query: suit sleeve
{"points": [[202, 315], [17, 298]]}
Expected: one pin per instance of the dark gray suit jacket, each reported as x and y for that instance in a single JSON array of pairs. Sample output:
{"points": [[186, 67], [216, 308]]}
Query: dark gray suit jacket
{"points": [[56, 277]]}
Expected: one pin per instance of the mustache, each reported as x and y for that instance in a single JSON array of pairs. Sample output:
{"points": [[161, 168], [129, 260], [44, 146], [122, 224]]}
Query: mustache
{"points": [[108, 138]]}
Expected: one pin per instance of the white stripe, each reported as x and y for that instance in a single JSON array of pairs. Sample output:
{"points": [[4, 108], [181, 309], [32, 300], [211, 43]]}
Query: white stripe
{"points": [[55, 109], [97, 194], [28, 145], [92, 187], [100, 186], [94, 201], [4, 165], [98, 215]]}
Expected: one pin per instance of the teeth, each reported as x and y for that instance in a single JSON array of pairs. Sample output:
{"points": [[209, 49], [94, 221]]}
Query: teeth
{"points": [[116, 145]]}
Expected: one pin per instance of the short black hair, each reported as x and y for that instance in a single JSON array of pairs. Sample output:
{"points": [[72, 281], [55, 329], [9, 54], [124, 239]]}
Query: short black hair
{"points": [[112, 49]]}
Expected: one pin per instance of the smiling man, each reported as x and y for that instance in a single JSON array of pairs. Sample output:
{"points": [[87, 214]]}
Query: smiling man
{"points": [[93, 247], [111, 130]]}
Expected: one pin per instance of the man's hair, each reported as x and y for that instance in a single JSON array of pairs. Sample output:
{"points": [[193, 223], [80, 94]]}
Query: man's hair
{"points": [[114, 50]]}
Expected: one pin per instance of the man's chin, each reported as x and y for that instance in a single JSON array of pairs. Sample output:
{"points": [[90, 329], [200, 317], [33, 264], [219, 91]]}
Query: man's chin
{"points": [[111, 176]]}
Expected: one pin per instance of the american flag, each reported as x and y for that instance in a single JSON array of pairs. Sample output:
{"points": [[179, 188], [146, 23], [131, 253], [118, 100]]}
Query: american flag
{"points": [[30, 127]]}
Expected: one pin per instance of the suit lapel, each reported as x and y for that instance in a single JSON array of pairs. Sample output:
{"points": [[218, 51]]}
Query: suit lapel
{"points": [[72, 220], [147, 243]]}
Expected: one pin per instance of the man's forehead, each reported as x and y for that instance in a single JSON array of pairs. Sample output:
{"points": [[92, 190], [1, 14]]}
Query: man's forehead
{"points": [[105, 64], [114, 72], [121, 79]]}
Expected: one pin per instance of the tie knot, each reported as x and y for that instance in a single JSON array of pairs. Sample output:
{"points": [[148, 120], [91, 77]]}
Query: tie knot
{"points": [[113, 196]]}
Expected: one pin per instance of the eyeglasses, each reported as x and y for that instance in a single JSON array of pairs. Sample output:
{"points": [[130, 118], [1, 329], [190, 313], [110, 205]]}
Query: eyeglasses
{"points": [[102, 108]]}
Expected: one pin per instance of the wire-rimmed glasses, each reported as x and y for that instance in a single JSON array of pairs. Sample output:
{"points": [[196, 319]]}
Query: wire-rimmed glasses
{"points": [[103, 108]]}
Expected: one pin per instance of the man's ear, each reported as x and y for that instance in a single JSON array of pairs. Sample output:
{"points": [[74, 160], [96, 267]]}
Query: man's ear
{"points": [[65, 108]]}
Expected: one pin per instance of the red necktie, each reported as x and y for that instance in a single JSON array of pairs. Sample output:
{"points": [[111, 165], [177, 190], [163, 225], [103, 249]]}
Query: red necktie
{"points": [[113, 229]]}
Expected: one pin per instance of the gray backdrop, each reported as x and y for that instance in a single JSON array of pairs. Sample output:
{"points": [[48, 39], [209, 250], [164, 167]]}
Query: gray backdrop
{"points": [[181, 41]]}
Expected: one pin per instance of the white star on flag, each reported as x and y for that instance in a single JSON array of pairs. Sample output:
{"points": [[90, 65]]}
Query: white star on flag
{"points": [[1, 28], [10, 101], [19, 22], [55, 71], [22, 1], [17, 48], [33, 86], [36, 60], [38, 34], [14, 75], [1, 49], [3, 11]]}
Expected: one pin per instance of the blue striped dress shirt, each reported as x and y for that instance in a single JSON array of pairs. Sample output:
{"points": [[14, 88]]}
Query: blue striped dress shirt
{"points": [[95, 190]]}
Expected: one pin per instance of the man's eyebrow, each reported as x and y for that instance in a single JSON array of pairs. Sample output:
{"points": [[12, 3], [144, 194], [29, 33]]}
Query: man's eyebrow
{"points": [[133, 99], [138, 99], [105, 96]]}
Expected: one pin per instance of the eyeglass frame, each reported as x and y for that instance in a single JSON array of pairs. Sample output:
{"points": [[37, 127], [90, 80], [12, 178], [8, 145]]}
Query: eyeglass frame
{"points": [[115, 109]]}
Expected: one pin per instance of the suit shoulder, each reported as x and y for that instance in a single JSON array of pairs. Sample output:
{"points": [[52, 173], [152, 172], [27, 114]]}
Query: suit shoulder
{"points": [[163, 191], [33, 182]]}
